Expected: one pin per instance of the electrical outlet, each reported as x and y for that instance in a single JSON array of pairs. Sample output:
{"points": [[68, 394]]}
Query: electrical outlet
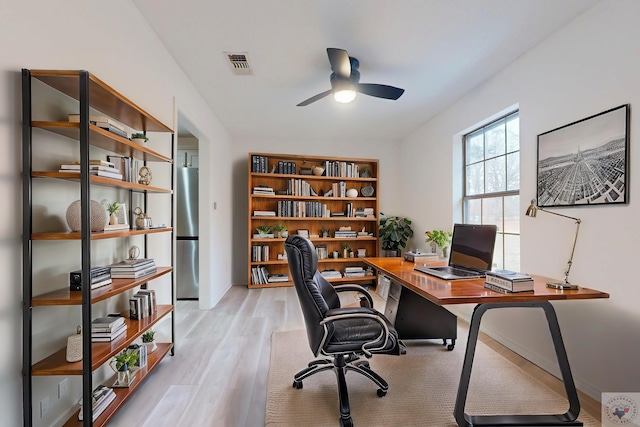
{"points": [[45, 405], [63, 388]]}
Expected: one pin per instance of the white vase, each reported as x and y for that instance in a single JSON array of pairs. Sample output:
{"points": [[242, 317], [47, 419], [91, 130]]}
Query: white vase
{"points": [[151, 346], [113, 219]]}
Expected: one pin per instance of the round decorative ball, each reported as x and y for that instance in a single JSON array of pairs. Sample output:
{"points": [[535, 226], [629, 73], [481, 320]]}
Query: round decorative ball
{"points": [[352, 192], [99, 217]]}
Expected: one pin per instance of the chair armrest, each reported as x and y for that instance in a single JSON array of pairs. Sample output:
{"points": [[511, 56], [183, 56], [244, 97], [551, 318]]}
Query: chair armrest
{"points": [[356, 288], [337, 314]]}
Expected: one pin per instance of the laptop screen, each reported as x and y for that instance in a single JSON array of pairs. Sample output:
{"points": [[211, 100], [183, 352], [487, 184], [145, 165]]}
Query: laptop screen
{"points": [[472, 246]]}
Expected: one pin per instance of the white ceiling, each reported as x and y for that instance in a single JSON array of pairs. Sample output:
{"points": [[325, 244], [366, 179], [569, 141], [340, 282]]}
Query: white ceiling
{"points": [[437, 50]]}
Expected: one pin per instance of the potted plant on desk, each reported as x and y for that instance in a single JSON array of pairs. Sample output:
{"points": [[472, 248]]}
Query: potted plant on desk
{"points": [[442, 240], [395, 231]]}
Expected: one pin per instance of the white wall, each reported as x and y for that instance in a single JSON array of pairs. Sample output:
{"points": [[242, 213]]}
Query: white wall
{"points": [[112, 41], [587, 67], [385, 151]]}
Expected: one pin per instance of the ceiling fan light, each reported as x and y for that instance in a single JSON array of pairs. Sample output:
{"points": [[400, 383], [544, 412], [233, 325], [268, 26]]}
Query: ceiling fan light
{"points": [[344, 96]]}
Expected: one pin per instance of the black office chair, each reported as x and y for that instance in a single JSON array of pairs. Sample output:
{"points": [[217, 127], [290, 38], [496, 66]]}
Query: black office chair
{"points": [[345, 334]]}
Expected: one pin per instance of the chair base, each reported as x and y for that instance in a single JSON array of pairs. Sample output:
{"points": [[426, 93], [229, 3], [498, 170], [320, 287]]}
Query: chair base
{"points": [[340, 364]]}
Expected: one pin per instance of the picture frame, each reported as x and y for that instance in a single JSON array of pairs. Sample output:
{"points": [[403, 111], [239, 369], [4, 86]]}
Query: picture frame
{"points": [[121, 214], [303, 233], [585, 162]]}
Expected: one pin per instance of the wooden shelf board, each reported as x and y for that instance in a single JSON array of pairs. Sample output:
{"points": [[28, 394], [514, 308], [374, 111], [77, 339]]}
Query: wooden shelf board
{"points": [[309, 218], [103, 98], [100, 180], [310, 177], [67, 297], [96, 235], [321, 239], [102, 352], [336, 281], [103, 139], [318, 198], [320, 261], [123, 394]]}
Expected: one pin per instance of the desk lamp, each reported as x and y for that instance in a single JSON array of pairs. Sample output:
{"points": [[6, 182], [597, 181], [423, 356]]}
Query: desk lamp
{"points": [[532, 211]]}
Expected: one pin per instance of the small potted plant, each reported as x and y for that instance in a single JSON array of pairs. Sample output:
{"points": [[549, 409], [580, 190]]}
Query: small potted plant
{"points": [[395, 231], [278, 229], [121, 364], [324, 232], [441, 238], [346, 249], [148, 338], [113, 208], [264, 231], [139, 138]]}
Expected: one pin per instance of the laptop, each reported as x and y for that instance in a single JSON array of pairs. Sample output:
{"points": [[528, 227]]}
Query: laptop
{"points": [[471, 253]]}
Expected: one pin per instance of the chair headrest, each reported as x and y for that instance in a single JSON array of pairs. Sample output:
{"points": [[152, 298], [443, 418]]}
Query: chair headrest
{"points": [[307, 252]]}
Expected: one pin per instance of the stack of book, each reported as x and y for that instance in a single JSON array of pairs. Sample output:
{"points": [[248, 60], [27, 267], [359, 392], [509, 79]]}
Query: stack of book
{"points": [[133, 268], [345, 232], [100, 276], [277, 278], [96, 167], [263, 190], [116, 227], [143, 304], [108, 328], [103, 122], [101, 397], [353, 272], [331, 274], [264, 213], [506, 281]]}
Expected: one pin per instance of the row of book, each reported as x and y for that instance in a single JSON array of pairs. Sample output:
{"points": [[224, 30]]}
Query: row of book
{"points": [[127, 166], [341, 169], [259, 164], [101, 397], [105, 329], [143, 304], [260, 276], [300, 209], [506, 281], [259, 253]]}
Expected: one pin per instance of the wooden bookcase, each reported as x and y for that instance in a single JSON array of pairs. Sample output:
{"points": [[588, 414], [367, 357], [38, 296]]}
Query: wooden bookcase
{"points": [[89, 92], [290, 174]]}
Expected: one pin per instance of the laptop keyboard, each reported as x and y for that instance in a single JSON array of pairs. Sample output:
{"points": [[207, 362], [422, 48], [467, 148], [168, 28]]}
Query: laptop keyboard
{"points": [[459, 272]]}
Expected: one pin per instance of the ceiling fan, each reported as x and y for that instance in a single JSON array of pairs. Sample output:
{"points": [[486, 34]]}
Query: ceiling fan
{"points": [[345, 81]]}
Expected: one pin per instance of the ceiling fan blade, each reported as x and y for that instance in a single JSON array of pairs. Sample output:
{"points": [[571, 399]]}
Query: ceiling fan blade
{"points": [[339, 60], [380, 91], [314, 98]]}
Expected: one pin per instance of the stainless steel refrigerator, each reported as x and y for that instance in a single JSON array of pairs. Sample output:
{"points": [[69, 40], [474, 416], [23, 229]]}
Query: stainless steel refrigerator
{"points": [[187, 286]]}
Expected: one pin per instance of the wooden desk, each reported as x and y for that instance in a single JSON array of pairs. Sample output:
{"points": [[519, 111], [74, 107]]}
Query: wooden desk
{"points": [[442, 292]]}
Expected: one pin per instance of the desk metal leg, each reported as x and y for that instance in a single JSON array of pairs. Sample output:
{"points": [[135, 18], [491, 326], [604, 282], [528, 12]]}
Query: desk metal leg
{"points": [[566, 419]]}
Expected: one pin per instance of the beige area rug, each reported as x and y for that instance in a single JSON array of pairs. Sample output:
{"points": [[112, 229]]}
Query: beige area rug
{"points": [[422, 388]]}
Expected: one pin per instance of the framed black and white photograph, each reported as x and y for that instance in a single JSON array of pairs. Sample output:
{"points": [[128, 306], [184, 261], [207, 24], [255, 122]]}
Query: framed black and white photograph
{"points": [[585, 162]]}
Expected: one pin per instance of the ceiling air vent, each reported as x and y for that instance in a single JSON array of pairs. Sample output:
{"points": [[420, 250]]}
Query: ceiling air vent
{"points": [[239, 63]]}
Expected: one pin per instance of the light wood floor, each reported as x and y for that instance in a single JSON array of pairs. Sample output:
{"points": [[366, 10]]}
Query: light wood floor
{"points": [[218, 376]]}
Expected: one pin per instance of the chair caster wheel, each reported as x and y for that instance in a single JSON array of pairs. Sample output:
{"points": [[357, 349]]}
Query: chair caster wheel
{"points": [[297, 384], [346, 422], [381, 393], [450, 347]]}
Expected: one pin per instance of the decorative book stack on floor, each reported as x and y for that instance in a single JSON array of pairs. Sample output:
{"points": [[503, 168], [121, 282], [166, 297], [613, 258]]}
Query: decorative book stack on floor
{"points": [[133, 268], [506, 281], [104, 329]]}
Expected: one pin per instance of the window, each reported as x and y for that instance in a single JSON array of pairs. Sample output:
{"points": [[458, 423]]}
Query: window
{"points": [[492, 185]]}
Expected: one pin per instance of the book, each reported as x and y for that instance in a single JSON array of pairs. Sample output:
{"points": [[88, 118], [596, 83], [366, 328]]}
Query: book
{"points": [[512, 281], [102, 396], [97, 162], [132, 264], [76, 167], [106, 174], [108, 323], [116, 227], [134, 274], [496, 288], [75, 118]]}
